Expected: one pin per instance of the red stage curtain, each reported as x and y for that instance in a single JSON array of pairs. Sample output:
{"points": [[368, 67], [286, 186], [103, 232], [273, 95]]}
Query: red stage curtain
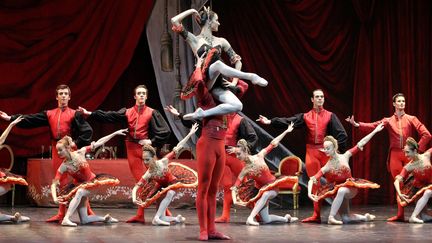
{"points": [[359, 52], [85, 44]]}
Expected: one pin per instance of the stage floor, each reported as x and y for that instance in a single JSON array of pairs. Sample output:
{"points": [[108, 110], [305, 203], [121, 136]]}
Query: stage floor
{"points": [[380, 230]]}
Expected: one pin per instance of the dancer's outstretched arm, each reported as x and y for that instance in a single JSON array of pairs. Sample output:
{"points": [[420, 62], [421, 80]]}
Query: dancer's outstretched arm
{"points": [[368, 137], [8, 129], [182, 142], [105, 139]]}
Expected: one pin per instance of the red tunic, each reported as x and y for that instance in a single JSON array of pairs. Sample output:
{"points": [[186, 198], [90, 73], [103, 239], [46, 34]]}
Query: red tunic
{"points": [[138, 119], [60, 120]]}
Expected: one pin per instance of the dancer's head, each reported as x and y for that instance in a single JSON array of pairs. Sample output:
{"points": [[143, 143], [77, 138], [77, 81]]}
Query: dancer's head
{"points": [[317, 98], [148, 154], [330, 146], [64, 146], [63, 95], [411, 148], [140, 94], [242, 150], [399, 101], [208, 17]]}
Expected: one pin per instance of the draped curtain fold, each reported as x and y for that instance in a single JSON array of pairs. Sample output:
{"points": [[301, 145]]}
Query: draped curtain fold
{"points": [[85, 44]]}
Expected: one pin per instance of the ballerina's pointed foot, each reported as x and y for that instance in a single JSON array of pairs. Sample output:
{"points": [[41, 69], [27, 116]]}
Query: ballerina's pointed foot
{"points": [[197, 114], [290, 219], [251, 221], [68, 222], [332, 220], [109, 219], [257, 80], [415, 220], [180, 219], [158, 221], [369, 217], [19, 218]]}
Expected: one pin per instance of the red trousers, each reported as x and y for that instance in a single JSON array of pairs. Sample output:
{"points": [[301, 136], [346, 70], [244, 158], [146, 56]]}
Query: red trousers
{"points": [[211, 163], [396, 161], [134, 157]]}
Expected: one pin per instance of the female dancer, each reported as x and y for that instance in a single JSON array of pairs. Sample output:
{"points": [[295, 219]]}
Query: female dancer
{"points": [[256, 168], [7, 179], [160, 175], [340, 182], [211, 46], [75, 165], [419, 186]]}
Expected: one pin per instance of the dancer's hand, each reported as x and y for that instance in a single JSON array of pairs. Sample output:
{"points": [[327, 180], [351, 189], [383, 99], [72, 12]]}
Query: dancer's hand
{"points": [[194, 128], [4, 116], [313, 197], [200, 60], [290, 127], [403, 197], [171, 109], [231, 149], [145, 141], [379, 128], [351, 120], [263, 120], [227, 83], [84, 111], [16, 121]]}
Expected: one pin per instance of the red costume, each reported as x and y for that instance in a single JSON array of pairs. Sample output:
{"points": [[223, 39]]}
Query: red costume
{"points": [[421, 180], [399, 129], [262, 178], [143, 122], [8, 178], [338, 176], [210, 150], [173, 177], [318, 125], [83, 177], [61, 121]]}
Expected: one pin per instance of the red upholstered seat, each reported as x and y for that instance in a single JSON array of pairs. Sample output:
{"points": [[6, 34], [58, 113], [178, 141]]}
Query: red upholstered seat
{"points": [[291, 166]]}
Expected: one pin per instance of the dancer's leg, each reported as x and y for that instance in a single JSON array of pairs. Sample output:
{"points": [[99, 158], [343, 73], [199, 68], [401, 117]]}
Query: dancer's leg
{"points": [[219, 67]]}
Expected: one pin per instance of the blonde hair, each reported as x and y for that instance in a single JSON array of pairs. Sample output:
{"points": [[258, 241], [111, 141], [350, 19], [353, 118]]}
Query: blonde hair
{"points": [[150, 149], [242, 144], [66, 141], [412, 143], [333, 141]]}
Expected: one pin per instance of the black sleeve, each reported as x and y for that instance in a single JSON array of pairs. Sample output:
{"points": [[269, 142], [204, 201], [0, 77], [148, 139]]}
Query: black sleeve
{"points": [[247, 132], [110, 116], [81, 130], [32, 120], [336, 129], [283, 122], [189, 123], [159, 130]]}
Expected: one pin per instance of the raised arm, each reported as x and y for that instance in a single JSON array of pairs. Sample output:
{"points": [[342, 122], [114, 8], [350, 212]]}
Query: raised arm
{"points": [[8, 129], [368, 137], [143, 179], [275, 142], [182, 142], [105, 139], [176, 20]]}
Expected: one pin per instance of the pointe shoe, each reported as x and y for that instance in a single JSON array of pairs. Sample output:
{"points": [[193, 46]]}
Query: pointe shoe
{"points": [[313, 219], [222, 219], [332, 220], [157, 221], [369, 217], [251, 221], [68, 222], [396, 218], [415, 220], [197, 114], [218, 236], [18, 218], [290, 219], [109, 219], [203, 236], [180, 219], [257, 80]]}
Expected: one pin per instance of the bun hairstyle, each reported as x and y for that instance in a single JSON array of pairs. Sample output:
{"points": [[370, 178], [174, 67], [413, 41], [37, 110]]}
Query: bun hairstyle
{"points": [[411, 143], [242, 144], [150, 149], [66, 141], [333, 141], [204, 15]]}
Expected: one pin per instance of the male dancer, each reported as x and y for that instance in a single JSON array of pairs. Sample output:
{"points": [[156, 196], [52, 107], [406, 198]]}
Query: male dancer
{"points": [[319, 123], [62, 121], [400, 126], [145, 126]]}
